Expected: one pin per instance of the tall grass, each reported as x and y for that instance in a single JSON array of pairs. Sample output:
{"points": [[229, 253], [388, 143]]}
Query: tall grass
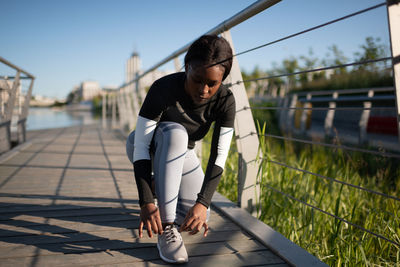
{"points": [[331, 240]]}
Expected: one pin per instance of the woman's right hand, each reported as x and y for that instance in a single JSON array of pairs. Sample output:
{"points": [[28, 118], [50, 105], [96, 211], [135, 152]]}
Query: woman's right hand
{"points": [[150, 217]]}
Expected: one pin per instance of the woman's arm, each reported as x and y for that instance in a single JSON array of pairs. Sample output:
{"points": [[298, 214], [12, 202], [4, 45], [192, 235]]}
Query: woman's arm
{"points": [[141, 158], [219, 152]]}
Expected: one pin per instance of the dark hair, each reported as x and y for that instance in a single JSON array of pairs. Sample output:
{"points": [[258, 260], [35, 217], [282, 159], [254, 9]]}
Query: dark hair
{"points": [[210, 50]]}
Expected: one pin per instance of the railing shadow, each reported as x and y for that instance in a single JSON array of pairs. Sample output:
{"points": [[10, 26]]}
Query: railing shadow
{"points": [[71, 229]]}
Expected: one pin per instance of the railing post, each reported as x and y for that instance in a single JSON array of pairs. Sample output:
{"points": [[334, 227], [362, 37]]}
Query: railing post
{"points": [[177, 64], [122, 110], [131, 103], [282, 111], [246, 139], [104, 110], [330, 115], [290, 114], [305, 115], [28, 97], [11, 100], [393, 11], [139, 92], [114, 111], [364, 119]]}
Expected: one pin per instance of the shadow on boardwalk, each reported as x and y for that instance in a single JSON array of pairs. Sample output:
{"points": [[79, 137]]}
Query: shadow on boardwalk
{"points": [[70, 199]]}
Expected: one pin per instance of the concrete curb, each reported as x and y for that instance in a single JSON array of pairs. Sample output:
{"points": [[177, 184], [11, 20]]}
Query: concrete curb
{"points": [[280, 245]]}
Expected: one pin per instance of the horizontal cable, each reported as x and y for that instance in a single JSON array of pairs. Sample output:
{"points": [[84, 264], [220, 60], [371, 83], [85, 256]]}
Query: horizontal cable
{"points": [[383, 154], [321, 108], [311, 29], [333, 180], [333, 215], [313, 70]]}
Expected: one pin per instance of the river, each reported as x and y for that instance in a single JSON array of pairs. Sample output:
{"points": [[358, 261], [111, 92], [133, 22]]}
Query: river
{"points": [[44, 118]]}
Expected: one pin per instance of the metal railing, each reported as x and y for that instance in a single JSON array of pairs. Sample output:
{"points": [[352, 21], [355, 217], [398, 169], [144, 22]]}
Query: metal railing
{"points": [[14, 106], [332, 102], [127, 101]]}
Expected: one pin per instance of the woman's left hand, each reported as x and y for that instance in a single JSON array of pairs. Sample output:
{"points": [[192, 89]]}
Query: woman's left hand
{"points": [[195, 220]]}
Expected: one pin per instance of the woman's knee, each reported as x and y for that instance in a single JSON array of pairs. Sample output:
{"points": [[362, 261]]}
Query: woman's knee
{"points": [[175, 134], [130, 146]]}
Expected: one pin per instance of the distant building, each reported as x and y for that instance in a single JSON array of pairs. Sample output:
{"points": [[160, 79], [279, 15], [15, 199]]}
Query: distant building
{"points": [[88, 90], [134, 68]]}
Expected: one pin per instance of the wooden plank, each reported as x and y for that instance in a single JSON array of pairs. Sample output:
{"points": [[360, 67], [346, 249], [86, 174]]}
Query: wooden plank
{"points": [[200, 249], [126, 235], [25, 228], [70, 212], [137, 257], [28, 220]]}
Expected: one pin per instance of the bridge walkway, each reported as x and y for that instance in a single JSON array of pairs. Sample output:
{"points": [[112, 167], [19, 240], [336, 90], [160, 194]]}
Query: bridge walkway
{"points": [[68, 197]]}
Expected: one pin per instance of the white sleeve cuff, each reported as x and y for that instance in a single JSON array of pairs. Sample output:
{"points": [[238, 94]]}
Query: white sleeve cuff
{"points": [[224, 143], [143, 135]]}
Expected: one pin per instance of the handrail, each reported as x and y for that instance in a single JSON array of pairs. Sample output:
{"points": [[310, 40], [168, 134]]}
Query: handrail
{"points": [[346, 91], [239, 17], [9, 110], [16, 67]]}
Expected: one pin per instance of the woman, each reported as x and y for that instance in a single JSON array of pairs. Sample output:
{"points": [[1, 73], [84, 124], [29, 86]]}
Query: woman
{"points": [[179, 110]]}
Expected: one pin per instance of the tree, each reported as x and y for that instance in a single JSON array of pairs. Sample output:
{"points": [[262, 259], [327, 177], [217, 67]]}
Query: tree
{"points": [[338, 58], [310, 63], [290, 65], [371, 50]]}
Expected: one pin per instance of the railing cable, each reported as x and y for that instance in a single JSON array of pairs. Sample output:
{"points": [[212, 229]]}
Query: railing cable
{"points": [[322, 108], [304, 31], [313, 70], [333, 215], [333, 180], [383, 154]]}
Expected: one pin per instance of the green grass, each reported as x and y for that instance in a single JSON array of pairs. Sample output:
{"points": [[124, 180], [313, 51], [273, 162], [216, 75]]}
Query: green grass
{"points": [[331, 240]]}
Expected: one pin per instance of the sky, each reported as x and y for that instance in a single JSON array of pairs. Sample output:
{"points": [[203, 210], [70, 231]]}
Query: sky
{"points": [[65, 42]]}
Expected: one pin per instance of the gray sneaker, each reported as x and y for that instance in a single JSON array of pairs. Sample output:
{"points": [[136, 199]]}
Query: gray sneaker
{"points": [[170, 246]]}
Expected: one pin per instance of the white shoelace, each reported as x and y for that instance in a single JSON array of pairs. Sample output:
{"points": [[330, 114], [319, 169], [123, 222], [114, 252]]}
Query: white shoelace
{"points": [[170, 234]]}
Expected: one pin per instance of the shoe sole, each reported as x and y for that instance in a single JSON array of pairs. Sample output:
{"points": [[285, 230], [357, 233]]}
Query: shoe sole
{"points": [[169, 260]]}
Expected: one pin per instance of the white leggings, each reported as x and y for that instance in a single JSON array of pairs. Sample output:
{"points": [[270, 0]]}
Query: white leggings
{"points": [[177, 171]]}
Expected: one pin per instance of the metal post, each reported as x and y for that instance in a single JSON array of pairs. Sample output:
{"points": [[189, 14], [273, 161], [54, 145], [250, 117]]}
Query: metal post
{"points": [[283, 104], [306, 114], [11, 100], [104, 110], [177, 64], [139, 91], [330, 115], [121, 110], [290, 116], [129, 97], [246, 138], [28, 97], [363, 123], [114, 111], [393, 10]]}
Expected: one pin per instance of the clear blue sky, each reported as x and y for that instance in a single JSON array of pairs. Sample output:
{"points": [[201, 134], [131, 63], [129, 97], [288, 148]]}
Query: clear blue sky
{"points": [[65, 42]]}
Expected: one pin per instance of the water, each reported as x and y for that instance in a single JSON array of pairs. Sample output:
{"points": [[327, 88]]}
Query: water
{"points": [[44, 118]]}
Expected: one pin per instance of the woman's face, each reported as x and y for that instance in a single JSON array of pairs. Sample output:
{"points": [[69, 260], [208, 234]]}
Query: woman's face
{"points": [[202, 83]]}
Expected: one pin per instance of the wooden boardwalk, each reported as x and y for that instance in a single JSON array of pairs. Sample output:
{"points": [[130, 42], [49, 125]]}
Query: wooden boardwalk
{"points": [[68, 197]]}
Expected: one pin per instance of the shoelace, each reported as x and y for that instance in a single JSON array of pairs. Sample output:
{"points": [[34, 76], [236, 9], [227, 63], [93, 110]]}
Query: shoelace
{"points": [[170, 235]]}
